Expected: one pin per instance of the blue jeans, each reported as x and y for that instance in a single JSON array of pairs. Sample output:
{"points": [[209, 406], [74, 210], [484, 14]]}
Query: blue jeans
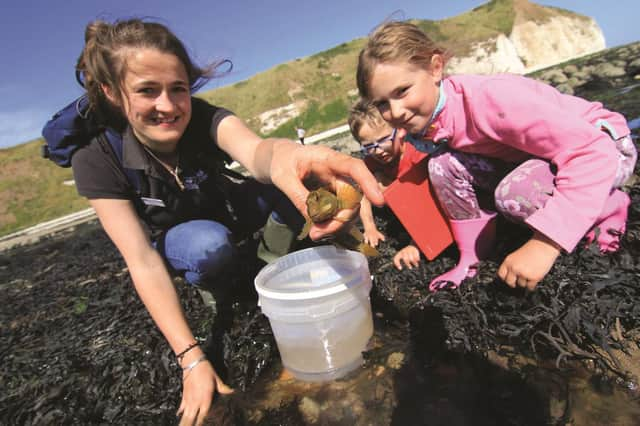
{"points": [[202, 250]]}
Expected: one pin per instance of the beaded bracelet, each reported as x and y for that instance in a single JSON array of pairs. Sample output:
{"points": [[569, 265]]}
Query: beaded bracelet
{"points": [[183, 353]]}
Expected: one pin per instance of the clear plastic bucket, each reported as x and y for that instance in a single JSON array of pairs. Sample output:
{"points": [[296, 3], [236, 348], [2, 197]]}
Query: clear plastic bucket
{"points": [[317, 302]]}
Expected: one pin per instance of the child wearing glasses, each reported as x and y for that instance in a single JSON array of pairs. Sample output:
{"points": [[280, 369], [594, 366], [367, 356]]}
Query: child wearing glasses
{"points": [[387, 157], [547, 160]]}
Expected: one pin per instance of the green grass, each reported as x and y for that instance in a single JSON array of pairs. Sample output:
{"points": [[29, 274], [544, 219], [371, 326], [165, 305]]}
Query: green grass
{"points": [[32, 190], [333, 113]]}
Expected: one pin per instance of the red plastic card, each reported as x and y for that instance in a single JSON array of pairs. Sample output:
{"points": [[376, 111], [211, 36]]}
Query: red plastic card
{"points": [[411, 199]]}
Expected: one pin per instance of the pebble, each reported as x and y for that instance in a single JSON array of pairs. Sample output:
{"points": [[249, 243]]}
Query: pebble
{"points": [[309, 409], [395, 360]]}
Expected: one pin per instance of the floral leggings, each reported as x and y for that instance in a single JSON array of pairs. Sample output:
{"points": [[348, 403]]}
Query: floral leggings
{"points": [[518, 189]]}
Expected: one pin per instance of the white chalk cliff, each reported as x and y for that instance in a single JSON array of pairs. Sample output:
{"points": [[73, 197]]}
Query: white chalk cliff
{"points": [[532, 44]]}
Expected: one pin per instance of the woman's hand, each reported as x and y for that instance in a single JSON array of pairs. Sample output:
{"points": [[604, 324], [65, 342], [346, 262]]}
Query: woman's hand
{"points": [[292, 164], [528, 265], [410, 255], [198, 390], [288, 165], [373, 237]]}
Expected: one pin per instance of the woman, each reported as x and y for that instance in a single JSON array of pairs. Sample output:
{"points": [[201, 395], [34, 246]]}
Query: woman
{"points": [[139, 80]]}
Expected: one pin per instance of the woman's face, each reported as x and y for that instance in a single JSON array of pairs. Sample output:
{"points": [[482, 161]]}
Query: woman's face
{"points": [[156, 98]]}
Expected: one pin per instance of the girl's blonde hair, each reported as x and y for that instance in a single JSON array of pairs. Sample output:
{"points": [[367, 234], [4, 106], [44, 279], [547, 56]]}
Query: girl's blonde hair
{"points": [[363, 112], [395, 42]]}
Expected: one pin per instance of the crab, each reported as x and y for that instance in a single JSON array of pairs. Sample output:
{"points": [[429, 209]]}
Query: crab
{"points": [[322, 205]]}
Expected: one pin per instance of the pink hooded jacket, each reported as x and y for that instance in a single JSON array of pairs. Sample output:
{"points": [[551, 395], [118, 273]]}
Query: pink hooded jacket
{"points": [[514, 118]]}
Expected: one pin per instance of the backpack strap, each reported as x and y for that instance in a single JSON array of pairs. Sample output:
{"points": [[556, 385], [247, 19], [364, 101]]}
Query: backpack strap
{"points": [[114, 140], [232, 173]]}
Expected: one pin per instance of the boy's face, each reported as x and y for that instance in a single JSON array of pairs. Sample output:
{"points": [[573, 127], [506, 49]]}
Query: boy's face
{"points": [[376, 141]]}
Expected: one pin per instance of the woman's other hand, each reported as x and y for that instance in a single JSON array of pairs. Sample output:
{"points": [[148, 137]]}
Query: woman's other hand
{"points": [[198, 391]]}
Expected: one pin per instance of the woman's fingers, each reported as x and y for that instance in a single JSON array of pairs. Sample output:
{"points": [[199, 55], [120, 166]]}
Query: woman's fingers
{"points": [[199, 388], [202, 413], [188, 417], [222, 387], [293, 165]]}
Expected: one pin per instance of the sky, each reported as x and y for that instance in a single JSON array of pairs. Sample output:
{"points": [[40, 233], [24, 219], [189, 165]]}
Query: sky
{"points": [[40, 40]]}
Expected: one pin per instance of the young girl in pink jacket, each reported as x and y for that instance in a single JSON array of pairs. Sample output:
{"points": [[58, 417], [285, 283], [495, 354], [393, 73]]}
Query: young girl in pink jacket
{"points": [[551, 161]]}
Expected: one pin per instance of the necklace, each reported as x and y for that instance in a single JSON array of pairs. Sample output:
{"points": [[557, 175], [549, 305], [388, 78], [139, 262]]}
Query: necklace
{"points": [[175, 172]]}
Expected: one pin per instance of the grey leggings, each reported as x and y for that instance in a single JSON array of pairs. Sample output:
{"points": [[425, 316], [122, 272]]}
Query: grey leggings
{"points": [[518, 189]]}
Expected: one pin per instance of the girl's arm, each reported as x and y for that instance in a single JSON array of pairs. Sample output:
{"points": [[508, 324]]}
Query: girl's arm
{"points": [[155, 288], [287, 164], [561, 129]]}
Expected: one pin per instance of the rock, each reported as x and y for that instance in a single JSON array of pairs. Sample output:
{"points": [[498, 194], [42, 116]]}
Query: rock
{"points": [[596, 84], [574, 82], [395, 360], [565, 88], [633, 67], [583, 74], [554, 76], [570, 69], [309, 409], [608, 70]]}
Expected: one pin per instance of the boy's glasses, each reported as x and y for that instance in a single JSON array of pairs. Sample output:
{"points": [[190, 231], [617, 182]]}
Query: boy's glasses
{"points": [[384, 143]]}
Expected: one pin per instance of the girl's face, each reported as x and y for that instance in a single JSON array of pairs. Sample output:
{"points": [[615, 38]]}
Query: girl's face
{"points": [[156, 97], [406, 94], [377, 142]]}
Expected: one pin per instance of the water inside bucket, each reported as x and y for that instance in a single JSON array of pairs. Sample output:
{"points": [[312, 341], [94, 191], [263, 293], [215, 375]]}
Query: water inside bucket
{"points": [[317, 302]]}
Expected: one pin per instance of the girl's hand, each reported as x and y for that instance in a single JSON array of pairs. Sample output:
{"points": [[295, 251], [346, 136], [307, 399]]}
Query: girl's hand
{"points": [[372, 236], [410, 255], [198, 389], [528, 265]]}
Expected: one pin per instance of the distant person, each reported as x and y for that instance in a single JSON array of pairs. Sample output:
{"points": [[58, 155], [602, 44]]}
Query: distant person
{"points": [[300, 131], [139, 79], [553, 162], [387, 156]]}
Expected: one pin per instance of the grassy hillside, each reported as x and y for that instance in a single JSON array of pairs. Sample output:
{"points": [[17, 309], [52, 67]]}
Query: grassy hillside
{"points": [[325, 82], [32, 189], [321, 82], [322, 85]]}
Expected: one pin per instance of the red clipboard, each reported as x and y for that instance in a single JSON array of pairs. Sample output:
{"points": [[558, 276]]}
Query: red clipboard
{"points": [[411, 199]]}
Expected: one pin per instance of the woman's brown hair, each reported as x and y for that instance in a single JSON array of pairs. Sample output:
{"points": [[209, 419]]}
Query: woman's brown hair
{"points": [[103, 61]]}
